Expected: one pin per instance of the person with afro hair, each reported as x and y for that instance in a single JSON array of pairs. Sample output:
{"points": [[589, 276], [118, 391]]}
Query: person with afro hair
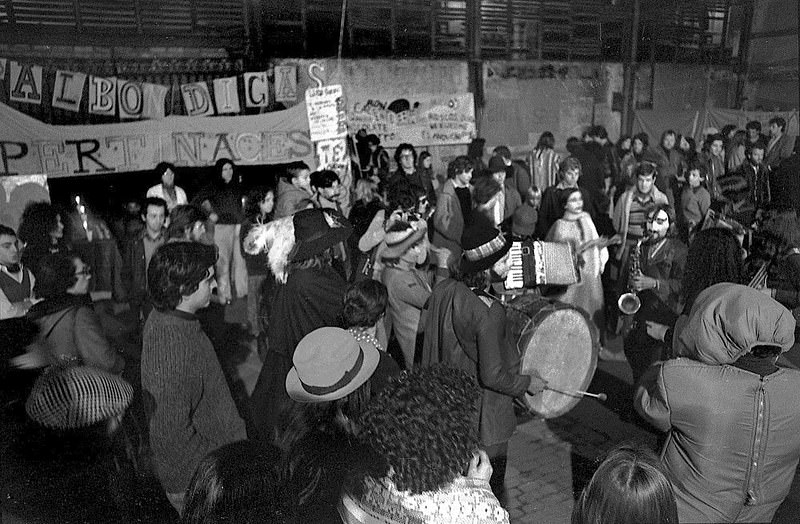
{"points": [[421, 429]]}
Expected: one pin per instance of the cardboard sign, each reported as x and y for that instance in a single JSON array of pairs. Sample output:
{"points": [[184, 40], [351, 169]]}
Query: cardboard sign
{"points": [[326, 115]]}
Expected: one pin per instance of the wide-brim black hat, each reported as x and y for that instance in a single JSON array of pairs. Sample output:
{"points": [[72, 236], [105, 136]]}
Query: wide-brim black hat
{"points": [[315, 230], [483, 245]]}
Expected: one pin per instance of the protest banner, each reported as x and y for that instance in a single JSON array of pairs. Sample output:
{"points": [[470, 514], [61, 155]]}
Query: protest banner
{"points": [[29, 146], [419, 120]]}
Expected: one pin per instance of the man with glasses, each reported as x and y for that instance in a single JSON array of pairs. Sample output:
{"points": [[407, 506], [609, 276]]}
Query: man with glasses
{"points": [[191, 409], [16, 281]]}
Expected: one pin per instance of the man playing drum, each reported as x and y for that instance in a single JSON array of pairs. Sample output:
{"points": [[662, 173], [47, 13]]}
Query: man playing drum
{"points": [[466, 329]]}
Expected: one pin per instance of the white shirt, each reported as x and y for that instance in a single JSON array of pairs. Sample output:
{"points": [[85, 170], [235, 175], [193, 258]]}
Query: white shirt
{"points": [[158, 191], [16, 309]]}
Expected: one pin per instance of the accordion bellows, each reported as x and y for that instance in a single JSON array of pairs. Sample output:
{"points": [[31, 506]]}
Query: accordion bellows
{"points": [[535, 263], [74, 397]]}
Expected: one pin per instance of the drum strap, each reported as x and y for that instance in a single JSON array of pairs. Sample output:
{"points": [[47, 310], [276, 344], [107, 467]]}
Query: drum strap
{"points": [[486, 298]]}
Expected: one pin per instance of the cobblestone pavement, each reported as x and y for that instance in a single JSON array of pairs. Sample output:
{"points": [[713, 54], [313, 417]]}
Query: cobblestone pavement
{"points": [[550, 461]]}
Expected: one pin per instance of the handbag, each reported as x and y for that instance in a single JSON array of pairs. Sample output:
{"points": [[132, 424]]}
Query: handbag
{"points": [[69, 395]]}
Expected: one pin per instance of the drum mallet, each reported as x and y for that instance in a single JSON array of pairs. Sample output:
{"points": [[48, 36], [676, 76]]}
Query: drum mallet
{"points": [[602, 397]]}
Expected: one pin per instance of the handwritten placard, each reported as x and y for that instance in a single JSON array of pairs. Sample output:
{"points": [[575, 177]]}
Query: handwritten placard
{"points": [[326, 115], [419, 120]]}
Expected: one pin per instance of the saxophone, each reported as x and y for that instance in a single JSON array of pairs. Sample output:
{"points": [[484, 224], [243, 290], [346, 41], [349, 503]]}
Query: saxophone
{"points": [[629, 303]]}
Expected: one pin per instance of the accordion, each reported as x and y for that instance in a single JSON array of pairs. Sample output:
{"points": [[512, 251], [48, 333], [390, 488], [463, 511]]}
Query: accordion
{"points": [[535, 263]]}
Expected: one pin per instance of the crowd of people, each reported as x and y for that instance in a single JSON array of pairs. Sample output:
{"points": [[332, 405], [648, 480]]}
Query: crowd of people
{"points": [[389, 374]]}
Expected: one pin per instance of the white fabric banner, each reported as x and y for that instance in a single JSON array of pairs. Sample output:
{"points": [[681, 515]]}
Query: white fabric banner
{"points": [[226, 96], [68, 90], [28, 146], [25, 83]]}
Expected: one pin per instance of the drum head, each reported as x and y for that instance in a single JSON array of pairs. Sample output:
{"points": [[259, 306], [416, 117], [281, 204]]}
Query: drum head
{"points": [[560, 343]]}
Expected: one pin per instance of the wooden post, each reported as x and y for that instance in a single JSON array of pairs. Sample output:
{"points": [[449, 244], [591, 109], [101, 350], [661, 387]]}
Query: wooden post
{"points": [[630, 73], [474, 63]]}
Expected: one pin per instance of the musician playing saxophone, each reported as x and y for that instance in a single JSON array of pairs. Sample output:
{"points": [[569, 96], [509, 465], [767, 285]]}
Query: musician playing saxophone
{"points": [[658, 285]]}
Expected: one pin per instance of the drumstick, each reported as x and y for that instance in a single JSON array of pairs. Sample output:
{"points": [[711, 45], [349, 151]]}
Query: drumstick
{"points": [[599, 396]]}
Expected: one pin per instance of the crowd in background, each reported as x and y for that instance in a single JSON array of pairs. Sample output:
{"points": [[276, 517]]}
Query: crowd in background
{"points": [[387, 381]]}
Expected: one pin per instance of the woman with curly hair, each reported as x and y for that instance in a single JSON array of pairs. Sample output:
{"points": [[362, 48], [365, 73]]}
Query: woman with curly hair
{"points": [[782, 228], [422, 433], [629, 487], [42, 232]]}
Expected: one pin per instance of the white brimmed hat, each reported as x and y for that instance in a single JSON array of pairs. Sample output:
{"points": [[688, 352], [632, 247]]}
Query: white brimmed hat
{"points": [[329, 363]]}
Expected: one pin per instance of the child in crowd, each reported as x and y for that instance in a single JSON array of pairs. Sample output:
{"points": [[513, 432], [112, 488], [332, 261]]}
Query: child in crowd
{"points": [[628, 487]]}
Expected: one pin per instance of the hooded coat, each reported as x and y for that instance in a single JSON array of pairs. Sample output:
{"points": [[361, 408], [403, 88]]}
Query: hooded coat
{"points": [[733, 443]]}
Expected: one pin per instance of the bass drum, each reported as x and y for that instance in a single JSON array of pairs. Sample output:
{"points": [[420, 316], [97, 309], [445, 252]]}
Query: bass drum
{"points": [[559, 342]]}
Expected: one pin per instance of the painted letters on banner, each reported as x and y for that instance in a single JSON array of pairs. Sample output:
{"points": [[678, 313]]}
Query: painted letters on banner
{"points": [[28, 146], [154, 97], [197, 99], [68, 90], [26, 83], [130, 97], [226, 96], [285, 83], [256, 89], [420, 120], [326, 116], [102, 95]]}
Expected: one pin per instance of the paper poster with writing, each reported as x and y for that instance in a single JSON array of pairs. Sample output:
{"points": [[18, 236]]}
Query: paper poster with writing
{"points": [[420, 120], [326, 115]]}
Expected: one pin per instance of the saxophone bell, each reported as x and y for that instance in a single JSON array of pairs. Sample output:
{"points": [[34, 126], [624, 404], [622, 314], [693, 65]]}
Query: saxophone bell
{"points": [[629, 303]]}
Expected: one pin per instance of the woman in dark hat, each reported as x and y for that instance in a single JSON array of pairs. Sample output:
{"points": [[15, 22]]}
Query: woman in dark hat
{"points": [[465, 329], [308, 296]]}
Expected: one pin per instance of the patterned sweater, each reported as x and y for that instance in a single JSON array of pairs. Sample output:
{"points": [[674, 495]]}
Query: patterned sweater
{"points": [[464, 501], [189, 404]]}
